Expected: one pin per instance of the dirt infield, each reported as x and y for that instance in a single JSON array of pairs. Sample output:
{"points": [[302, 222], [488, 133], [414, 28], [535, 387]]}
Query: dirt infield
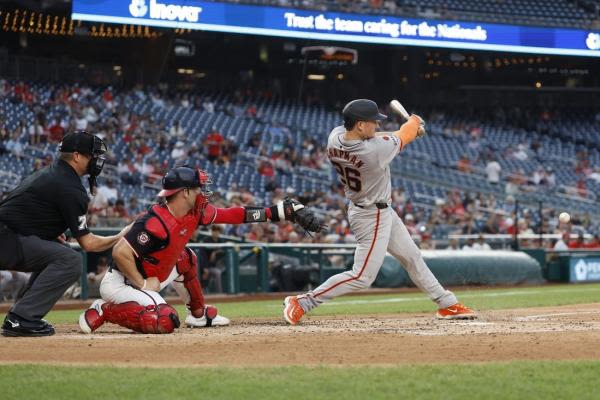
{"points": [[556, 333]]}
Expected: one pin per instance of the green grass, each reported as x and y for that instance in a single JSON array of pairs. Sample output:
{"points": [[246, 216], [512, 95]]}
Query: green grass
{"points": [[484, 299], [515, 380]]}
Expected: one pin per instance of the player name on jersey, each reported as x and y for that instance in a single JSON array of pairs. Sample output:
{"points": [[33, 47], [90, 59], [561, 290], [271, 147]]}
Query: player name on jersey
{"points": [[344, 155]]}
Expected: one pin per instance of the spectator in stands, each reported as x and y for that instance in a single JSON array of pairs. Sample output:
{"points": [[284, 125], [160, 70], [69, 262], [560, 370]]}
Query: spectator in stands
{"points": [[468, 246], [595, 175], [14, 146], [185, 101], [214, 261], [133, 207], [464, 164], [208, 105], [265, 168], [157, 100], [97, 209], [4, 137], [550, 177], [480, 244], [513, 184], [4, 88], [594, 243], [229, 151], [453, 244], [179, 152], [469, 225], [271, 185], [539, 176], [256, 233], [214, 144], [561, 244], [81, 122], [127, 172], [38, 133], [89, 112], [38, 164], [254, 141], [492, 225], [411, 224], [578, 243], [251, 111], [177, 131], [521, 152], [493, 171], [56, 131], [281, 163], [109, 191], [119, 211]]}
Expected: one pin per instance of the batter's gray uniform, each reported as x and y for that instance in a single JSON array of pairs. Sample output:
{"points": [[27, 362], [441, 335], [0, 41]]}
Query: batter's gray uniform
{"points": [[364, 170]]}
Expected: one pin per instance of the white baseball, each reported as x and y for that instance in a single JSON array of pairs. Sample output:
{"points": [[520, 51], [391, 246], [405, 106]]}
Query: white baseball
{"points": [[564, 217]]}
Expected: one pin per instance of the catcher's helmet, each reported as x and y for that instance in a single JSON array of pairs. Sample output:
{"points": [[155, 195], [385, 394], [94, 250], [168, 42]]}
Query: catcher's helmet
{"points": [[363, 110], [185, 177]]}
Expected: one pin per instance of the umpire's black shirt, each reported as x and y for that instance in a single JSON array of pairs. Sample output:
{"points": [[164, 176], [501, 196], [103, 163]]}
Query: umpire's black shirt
{"points": [[46, 203]]}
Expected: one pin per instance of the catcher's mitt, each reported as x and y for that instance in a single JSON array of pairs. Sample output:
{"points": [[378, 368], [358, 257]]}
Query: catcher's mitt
{"points": [[309, 221], [294, 211]]}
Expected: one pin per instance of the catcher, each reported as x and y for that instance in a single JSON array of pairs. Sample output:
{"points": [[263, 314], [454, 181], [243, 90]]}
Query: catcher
{"points": [[153, 254]]}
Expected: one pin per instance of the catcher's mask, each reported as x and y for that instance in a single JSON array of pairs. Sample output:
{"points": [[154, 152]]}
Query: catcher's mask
{"points": [[185, 177], [88, 144]]}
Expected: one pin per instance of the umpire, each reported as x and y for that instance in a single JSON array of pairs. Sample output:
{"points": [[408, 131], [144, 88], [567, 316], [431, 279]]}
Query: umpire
{"points": [[33, 219]]}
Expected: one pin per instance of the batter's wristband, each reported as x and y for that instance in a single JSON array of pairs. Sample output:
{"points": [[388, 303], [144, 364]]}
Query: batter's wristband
{"points": [[144, 285]]}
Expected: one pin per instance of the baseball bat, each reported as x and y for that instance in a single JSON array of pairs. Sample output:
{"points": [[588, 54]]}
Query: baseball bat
{"points": [[399, 109]]}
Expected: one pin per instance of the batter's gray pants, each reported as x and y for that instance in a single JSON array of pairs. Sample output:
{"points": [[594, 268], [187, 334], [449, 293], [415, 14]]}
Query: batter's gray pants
{"points": [[377, 232], [54, 268]]}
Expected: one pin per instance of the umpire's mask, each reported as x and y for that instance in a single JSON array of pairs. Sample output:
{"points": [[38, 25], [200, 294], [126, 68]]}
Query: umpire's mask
{"points": [[91, 145]]}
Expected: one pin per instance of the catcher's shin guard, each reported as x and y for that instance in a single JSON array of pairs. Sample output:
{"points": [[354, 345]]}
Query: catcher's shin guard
{"points": [[161, 318], [187, 265]]}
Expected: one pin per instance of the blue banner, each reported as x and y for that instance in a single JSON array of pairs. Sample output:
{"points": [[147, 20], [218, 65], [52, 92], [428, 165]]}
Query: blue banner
{"points": [[584, 269], [288, 22]]}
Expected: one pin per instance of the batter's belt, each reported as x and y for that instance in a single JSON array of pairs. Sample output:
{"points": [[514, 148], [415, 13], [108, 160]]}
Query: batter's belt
{"points": [[381, 206]]}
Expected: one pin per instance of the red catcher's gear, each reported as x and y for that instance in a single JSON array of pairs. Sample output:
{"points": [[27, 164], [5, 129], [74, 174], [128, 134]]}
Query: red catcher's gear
{"points": [[161, 318], [160, 263], [187, 265]]}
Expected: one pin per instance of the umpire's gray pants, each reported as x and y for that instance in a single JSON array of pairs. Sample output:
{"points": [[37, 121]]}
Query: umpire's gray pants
{"points": [[54, 268]]}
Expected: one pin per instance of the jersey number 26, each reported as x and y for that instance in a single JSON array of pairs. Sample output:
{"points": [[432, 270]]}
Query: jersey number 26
{"points": [[349, 176]]}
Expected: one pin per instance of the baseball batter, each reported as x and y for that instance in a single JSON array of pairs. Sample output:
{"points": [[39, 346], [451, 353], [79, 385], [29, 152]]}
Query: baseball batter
{"points": [[361, 158]]}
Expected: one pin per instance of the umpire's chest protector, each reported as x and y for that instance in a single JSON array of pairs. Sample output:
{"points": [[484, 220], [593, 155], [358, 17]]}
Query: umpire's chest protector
{"points": [[160, 263]]}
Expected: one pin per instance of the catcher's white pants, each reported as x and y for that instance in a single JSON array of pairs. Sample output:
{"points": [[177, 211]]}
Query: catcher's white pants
{"points": [[114, 288], [378, 231]]}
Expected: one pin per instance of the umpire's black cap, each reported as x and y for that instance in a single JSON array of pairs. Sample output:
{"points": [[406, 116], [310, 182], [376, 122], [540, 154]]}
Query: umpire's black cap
{"points": [[81, 142], [363, 110]]}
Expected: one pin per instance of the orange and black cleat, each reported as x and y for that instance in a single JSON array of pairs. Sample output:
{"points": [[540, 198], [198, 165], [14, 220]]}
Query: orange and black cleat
{"points": [[292, 310], [456, 311]]}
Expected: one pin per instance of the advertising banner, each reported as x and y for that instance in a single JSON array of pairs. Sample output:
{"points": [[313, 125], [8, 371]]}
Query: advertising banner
{"points": [[332, 26]]}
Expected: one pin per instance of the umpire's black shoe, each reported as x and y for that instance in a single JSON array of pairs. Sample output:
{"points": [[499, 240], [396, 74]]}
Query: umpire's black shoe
{"points": [[16, 326]]}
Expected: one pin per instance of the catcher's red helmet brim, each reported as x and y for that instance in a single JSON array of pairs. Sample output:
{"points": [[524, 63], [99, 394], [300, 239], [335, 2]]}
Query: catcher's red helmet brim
{"points": [[169, 192]]}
